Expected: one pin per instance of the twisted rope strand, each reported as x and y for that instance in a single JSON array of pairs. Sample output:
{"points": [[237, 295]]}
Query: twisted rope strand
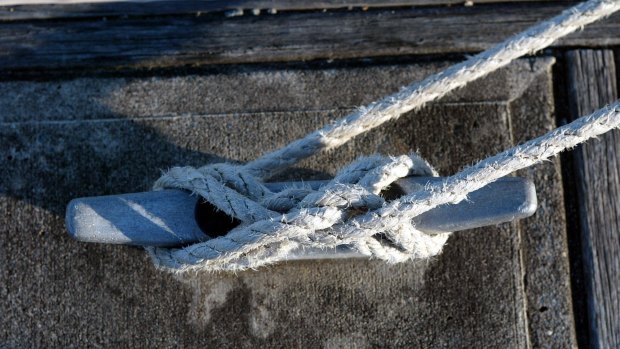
{"points": [[455, 188]]}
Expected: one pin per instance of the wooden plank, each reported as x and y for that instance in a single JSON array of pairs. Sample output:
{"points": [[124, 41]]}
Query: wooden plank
{"points": [[213, 39], [48, 9], [592, 84]]}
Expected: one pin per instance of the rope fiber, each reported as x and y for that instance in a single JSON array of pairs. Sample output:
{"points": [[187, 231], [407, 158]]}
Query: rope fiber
{"points": [[349, 210]]}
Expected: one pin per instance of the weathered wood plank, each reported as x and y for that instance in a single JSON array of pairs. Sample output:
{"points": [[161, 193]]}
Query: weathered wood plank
{"points": [[592, 84], [47, 9], [213, 39]]}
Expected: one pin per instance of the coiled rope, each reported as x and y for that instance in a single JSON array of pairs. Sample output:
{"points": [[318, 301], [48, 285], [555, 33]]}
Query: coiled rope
{"points": [[349, 210]]}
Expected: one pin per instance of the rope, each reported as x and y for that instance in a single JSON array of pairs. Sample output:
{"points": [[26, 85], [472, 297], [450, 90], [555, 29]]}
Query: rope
{"points": [[349, 210], [435, 86]]}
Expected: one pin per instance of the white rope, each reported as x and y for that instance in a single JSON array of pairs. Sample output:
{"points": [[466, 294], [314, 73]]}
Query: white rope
{"points": [[435, 86], [349, 210]]}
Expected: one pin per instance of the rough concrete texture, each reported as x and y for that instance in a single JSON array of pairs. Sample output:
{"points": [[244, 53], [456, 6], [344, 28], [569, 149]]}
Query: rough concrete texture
{"points": [[83, 137], [230, 90], [543, 240]]}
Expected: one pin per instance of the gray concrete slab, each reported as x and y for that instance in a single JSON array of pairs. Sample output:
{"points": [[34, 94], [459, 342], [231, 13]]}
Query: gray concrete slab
{"points": [[234, 90], [57, 146]]}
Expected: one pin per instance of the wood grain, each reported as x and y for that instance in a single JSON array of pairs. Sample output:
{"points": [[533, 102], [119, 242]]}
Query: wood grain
{"points": [[48, 9], [592, 85], [213, 39]]}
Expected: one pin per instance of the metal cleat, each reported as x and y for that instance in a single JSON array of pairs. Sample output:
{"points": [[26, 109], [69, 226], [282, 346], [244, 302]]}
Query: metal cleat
{"points": [[175, 218]]}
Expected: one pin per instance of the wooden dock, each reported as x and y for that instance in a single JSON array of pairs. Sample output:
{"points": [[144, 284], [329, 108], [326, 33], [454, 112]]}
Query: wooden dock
{"points": [[97, 98]]}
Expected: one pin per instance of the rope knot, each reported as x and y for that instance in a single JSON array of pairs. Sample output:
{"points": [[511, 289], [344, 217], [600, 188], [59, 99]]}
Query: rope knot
{"points": [[341, 212]]}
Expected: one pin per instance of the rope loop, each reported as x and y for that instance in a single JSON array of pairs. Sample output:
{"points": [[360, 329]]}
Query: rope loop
{"points": [[274, 223]]}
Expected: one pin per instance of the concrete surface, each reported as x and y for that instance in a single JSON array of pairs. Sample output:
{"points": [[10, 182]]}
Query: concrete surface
{"points": [[504, 286]]}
